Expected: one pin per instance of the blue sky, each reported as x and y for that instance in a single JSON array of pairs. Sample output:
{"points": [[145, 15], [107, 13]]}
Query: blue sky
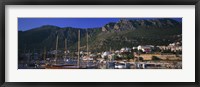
{"points": [[29, 23]]}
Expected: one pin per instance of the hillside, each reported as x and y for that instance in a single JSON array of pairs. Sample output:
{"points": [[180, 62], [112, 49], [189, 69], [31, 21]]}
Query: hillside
{"points": [[124, 33]]}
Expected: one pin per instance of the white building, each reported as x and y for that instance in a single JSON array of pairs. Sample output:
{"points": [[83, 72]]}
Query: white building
{"points": [[145, 48], [125, 50], [172, 47], [105, 54]]}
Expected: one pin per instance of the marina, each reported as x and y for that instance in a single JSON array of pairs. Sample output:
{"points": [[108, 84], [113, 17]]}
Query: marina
{"points": [[85, 54]]}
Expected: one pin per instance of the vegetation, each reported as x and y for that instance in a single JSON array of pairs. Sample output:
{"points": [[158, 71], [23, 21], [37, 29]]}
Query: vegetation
{"points": [[130, 33], [155, 58]]}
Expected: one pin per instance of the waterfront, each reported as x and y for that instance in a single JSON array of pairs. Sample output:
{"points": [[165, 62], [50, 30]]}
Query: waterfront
{"points": [[125, 44], [100, 63]]}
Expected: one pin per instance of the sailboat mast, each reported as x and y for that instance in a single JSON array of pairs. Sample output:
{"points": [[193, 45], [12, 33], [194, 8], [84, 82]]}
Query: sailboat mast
{"points": [[44, 56], [29, 57], [87, 44], [78, 62], [56, 48], [66, 45], [65, 50]]}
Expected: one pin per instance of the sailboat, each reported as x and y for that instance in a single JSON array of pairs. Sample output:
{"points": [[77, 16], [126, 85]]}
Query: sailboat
{"points": [[88, 58], [58, 64], [43, 63]]}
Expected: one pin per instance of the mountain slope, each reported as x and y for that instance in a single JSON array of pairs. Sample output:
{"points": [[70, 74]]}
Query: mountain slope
{"points": [[125, 32]]}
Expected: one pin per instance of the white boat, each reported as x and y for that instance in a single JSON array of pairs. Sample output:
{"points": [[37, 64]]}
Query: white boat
{"points": [[120, 65]]}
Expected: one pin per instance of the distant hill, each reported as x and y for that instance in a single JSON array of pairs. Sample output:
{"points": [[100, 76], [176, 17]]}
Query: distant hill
{"points": [[124, 33]]}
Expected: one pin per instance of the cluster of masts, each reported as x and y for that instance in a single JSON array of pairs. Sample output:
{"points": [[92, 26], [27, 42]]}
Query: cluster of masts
{"points": [[56, 54]]}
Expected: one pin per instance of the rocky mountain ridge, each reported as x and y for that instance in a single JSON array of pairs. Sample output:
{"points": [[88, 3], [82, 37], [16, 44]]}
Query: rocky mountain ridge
{"points": [[113, 35]]}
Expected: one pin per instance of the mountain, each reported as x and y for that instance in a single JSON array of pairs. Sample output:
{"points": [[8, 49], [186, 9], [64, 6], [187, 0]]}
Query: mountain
{"points": [[124, 33], [125, 24]]}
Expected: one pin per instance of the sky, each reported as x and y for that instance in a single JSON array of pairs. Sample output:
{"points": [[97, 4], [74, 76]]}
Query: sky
{"points": [[30, 23]]}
